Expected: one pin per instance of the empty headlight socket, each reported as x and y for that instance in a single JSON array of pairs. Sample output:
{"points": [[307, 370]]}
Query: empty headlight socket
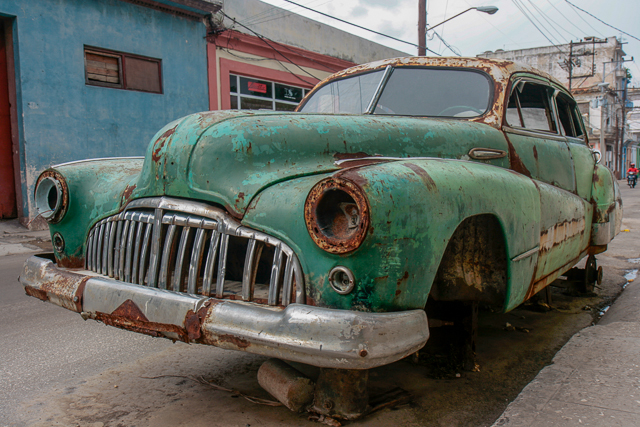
{"points": [[336, 213], [51, 196]]}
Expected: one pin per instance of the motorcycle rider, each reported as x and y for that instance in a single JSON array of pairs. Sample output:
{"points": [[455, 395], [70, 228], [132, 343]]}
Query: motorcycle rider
{"points": [[632, 175]]}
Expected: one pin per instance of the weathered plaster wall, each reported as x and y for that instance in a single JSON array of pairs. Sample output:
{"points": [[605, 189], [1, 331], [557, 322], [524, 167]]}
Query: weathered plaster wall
{"points": [[63, 119], [296, 30]]}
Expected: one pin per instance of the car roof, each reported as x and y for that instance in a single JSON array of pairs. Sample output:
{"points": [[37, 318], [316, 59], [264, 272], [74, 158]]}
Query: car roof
{"points": [[499, 69]]}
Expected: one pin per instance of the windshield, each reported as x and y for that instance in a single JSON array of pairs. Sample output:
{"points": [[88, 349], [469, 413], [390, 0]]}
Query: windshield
{"points": [[346, 96], [435, 92]]}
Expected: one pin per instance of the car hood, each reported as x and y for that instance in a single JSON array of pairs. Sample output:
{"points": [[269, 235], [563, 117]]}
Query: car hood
{"points": [[228, 157]]}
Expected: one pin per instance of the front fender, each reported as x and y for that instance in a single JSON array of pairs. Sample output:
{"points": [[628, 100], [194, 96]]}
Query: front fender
{"points": [[416, 205], [97, 188]]}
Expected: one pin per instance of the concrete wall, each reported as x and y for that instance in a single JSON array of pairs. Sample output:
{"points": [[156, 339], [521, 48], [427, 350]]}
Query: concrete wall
{"points": [[551, 60], [62, 118], [296, 30]]}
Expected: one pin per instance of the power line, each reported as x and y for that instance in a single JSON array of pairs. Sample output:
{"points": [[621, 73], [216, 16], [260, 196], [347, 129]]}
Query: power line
{"points": [[534, 24], [446, 44], [551, 22], [362, 28], [569, 20], [595, 17], [265, 40], [524, 7]]}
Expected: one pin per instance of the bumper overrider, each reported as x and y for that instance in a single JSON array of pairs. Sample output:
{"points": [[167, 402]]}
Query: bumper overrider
{"points": [[313, 335]]}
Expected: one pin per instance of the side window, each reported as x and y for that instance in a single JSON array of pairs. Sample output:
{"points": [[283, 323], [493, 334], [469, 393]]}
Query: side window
{"points": [[530, 107], [565, 108], [569, 115]]}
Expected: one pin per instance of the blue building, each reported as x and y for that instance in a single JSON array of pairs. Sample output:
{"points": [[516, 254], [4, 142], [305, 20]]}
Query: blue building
{"points": [[90, 78]]}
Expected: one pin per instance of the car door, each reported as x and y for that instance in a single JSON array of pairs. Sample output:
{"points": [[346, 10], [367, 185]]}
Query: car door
{"points": [[539, 150]]}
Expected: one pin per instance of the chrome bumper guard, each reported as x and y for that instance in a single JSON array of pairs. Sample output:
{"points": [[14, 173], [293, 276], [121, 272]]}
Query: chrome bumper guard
{"points": [[317, 336]]}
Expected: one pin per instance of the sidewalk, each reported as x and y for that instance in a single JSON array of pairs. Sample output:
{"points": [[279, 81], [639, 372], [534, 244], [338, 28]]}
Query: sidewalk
{"points": [[16, 239], [594, 380]]}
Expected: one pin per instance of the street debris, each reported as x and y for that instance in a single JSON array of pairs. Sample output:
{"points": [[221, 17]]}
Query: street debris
{"points": [[235, 393]]}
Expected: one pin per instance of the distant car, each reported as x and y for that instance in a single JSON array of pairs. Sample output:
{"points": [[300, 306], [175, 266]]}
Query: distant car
{"points": [[319, 236]]}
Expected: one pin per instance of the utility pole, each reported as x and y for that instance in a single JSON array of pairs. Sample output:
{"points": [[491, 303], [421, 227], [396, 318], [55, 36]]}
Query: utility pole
{"points": [[422, 27]]}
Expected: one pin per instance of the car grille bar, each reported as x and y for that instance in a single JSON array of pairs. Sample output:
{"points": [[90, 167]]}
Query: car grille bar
{"points": [[194, 248]]}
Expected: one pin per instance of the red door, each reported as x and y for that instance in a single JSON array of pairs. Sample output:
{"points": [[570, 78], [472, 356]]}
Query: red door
{"points": [[7, 185]]}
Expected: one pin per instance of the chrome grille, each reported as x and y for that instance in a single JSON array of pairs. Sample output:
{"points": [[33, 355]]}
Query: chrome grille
{"points": [[194, 248]]}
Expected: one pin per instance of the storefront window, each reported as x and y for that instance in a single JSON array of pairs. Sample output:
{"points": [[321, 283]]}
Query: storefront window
{"points": [[255, 94]]}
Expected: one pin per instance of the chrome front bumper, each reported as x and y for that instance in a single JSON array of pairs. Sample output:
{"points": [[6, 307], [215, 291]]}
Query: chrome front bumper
{"points": [[316, 336]]}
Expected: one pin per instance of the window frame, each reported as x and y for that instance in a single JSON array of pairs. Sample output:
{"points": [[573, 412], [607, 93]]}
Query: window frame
{"points": [[122, 72], [552, 135], [239, 95]]}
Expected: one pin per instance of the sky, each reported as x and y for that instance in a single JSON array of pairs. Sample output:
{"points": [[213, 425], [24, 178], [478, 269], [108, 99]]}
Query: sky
{"points": [[475, 32]]}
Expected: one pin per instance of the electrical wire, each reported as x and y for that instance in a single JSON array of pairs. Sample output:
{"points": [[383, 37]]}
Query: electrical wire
{"points": [[532, 16], [361, 27], [552, 23], [568, 20], [446, 44], [266, 41], [595, 17], [534, 24]]}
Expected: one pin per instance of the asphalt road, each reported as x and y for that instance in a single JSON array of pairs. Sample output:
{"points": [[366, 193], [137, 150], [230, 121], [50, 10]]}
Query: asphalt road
{"points": [[43, 347]]}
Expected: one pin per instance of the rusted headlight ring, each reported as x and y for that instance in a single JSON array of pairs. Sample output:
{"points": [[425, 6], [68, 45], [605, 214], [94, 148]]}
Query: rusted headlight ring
{"points": [[51, 196], [331, 208]]}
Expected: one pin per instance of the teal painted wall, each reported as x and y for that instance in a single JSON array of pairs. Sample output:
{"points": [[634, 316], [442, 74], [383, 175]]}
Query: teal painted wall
{"points": [[60, 117]]}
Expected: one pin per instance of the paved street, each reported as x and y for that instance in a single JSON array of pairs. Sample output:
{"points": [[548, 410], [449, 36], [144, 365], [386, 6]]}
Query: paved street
{"points": [[58, 370]]}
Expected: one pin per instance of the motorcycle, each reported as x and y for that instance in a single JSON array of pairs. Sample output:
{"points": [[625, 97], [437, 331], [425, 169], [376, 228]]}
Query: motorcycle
{"points": [[632, 179]]}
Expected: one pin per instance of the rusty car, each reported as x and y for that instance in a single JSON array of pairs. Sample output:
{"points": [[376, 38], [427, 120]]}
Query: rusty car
{"points": [[319, 236]]}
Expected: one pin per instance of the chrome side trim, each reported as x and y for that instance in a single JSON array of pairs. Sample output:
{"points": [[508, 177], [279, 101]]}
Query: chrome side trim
{"points": [[99, 159], [526, 254]]}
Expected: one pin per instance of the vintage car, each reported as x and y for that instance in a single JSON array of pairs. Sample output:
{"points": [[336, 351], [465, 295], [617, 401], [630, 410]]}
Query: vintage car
{"points": [[318, 236]]}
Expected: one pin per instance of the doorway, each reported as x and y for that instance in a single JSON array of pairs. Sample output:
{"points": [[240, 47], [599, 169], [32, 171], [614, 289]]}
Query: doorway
{"points": [[8, 207]]}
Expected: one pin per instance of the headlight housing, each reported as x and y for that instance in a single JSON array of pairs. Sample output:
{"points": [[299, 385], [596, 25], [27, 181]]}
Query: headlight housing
{"points": [[336, 213], [51, 196]]}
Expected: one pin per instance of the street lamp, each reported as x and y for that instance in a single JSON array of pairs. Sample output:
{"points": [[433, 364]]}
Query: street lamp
{"points": [[422, 23]]}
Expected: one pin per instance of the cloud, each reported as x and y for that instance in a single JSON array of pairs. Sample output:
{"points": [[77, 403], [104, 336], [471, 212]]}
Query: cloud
{"points": [[358, 12]]}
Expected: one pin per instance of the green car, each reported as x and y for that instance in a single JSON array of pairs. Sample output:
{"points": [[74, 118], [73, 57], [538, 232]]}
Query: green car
{"points": [[318, 236]]}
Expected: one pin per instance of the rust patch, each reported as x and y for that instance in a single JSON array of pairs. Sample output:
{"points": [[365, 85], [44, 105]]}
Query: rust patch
{"points": [[515, 163], [559, 233], [126, 195], [193, 322], [404, 278], [158, 145], [238, 342], [129, 310], [428, 181], [65, 287], [336, 213], [535, 152], [153, 329], [37, 293], [70, 262]]}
